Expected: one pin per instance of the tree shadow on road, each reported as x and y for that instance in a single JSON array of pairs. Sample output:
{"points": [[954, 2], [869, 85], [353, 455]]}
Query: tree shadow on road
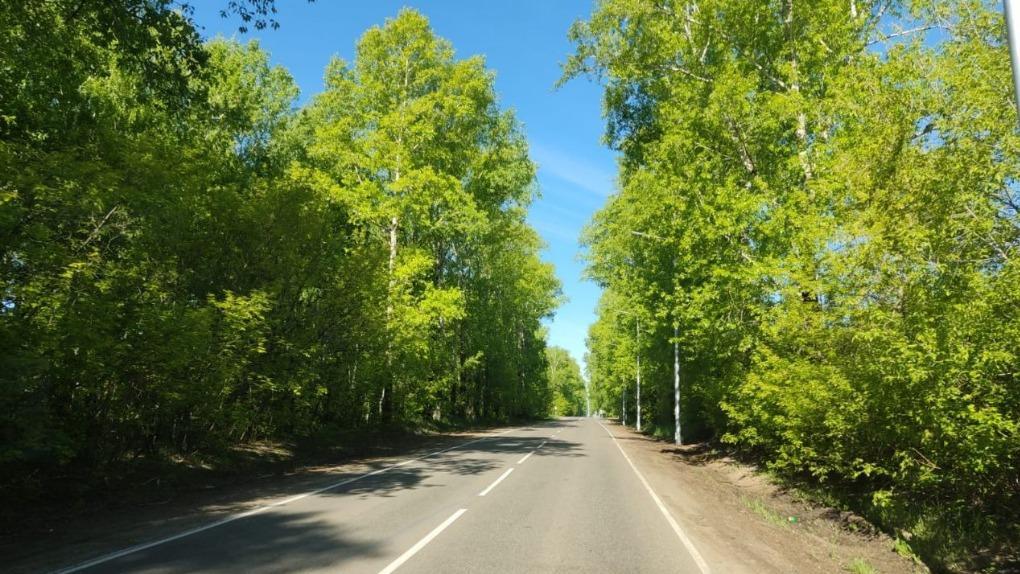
{"points": [[373, 478], [268, 542]]}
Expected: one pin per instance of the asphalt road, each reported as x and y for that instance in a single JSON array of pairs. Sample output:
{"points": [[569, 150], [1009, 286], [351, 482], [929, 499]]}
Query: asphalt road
{"points": [[554, 497]]}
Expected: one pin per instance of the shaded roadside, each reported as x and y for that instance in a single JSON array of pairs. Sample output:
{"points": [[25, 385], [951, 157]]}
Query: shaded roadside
{"points": [[946, 539], [743, 522], [72, 521]]}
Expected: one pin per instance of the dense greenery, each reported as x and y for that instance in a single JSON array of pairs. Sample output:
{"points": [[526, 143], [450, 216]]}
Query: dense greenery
{"points": [[569, 393], [189, 260], [822, 196]]}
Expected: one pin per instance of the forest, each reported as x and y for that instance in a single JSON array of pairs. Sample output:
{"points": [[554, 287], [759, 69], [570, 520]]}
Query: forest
{"points": [[191, 260], [820, 200], [817, 209], [569, 391]]}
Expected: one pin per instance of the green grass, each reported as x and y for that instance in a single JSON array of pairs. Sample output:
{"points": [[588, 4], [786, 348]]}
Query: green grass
{"points": [[860, 566], [901, 547], [759, 507]]}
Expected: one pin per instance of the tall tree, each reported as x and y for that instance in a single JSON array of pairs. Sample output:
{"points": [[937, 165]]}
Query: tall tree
{"points": [[422, 153]]}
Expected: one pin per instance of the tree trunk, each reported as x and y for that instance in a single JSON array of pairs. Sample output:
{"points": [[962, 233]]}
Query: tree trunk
{"points": [[386, 398]]}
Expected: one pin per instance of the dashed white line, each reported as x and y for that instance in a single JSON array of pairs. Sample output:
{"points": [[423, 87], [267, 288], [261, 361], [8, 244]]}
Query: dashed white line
{"points": [[261, 509], [540, 445], [498, 480], [421, 543], [698, 559]]}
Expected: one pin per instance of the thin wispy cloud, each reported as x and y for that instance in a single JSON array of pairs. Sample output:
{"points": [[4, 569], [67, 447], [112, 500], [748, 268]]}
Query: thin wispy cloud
{"points": [[595, 179], [565, 213], [551, 231]]}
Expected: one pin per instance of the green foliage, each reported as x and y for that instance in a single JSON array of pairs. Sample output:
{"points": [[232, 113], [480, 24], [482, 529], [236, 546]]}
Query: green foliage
{"points": [[901, 547], [826, 206], [569, 393], [188, 260]]}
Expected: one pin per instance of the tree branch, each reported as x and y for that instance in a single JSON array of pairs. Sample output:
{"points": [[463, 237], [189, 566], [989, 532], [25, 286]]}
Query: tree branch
{"points": [[887, 37]]}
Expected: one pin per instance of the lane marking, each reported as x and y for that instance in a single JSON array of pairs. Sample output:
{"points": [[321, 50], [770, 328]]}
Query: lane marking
{"points": [[698, 559], [540, 445], [260, 509], [498, 480], [421, 543]]}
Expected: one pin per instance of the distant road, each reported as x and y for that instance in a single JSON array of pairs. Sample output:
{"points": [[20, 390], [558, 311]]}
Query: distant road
{"points": [[554, 497]]}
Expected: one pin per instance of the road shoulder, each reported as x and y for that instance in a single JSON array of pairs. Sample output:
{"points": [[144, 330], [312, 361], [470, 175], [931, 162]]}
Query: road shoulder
{"points": [[741, 522]]}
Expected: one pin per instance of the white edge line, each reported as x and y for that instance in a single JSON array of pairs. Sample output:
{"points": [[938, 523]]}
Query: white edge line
{"points": [[498, 480], [698, 559], [254, 511], [421, 543]]}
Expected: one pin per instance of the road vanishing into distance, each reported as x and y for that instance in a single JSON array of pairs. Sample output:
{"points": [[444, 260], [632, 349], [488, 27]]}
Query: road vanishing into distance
{"points": [[559, 496]]}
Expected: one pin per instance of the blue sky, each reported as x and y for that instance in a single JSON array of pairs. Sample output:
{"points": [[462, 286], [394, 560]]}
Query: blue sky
{"points": [[524, 41]]}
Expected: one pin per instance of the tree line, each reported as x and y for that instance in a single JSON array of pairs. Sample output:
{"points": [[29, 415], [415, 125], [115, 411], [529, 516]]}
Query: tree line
{"points": [[191, 260], [570, 397], [821, 197]]}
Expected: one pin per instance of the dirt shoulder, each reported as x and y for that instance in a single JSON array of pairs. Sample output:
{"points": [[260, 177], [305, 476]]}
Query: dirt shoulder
{"points": [[58, 531], [742, 522]]}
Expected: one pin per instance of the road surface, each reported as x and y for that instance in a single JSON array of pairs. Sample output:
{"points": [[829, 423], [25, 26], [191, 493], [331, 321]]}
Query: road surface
{"points": [[559, 496]]}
